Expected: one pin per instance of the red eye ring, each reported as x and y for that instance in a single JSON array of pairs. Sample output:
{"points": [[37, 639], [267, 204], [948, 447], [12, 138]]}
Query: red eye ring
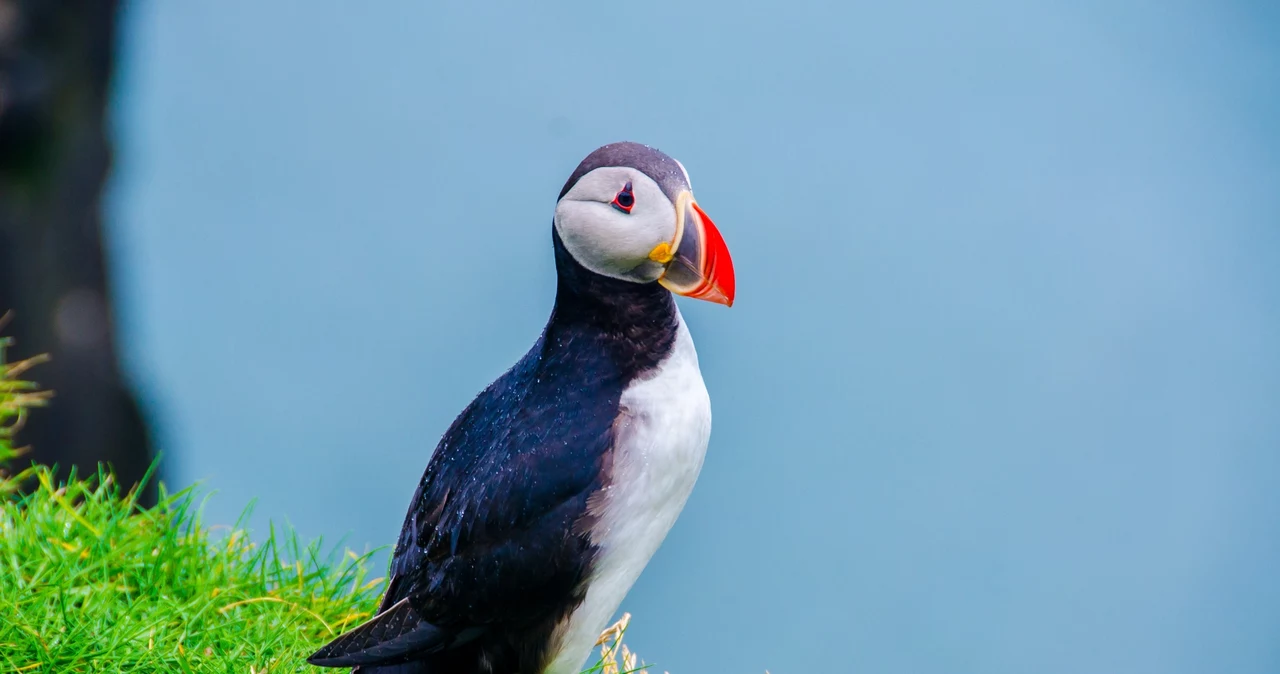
{"points": [[625, 199]]}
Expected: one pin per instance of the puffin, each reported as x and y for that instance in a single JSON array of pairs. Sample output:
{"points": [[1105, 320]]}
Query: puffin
{"points": [[550, 492]]}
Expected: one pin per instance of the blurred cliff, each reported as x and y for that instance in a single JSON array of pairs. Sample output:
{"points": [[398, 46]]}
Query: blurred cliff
{"points": [[56, 60]]}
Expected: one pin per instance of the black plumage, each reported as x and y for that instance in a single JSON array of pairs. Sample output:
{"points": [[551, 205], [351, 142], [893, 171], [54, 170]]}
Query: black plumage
{"points": [[494, 551]]}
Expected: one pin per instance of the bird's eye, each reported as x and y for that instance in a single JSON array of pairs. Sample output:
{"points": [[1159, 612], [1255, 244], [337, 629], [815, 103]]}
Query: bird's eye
{"points": [[625, 199]]}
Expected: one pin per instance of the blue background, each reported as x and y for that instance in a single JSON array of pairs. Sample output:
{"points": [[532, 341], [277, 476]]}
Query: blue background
{"points": [[1001, 392]]}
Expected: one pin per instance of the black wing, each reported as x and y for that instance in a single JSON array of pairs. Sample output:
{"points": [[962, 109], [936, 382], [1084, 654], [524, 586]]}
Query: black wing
{"points": [[394, 635], [496, 531]]}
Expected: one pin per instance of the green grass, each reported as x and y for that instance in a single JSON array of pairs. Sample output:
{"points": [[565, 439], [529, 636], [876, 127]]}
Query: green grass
{"points": [[16, 395], [92, 582]]}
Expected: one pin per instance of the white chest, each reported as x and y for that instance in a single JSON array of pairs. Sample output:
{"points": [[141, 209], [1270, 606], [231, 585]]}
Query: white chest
{"points": [[661, 441]]}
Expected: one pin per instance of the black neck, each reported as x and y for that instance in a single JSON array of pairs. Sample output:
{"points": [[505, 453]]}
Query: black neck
{"points": [[635, 323]]}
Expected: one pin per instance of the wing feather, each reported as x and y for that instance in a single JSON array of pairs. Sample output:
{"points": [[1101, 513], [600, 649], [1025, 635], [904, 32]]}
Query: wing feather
{"points": [[390, 637]]}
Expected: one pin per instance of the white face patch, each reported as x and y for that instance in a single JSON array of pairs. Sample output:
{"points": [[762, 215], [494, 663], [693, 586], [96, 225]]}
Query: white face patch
{"points": [[608, 241]]}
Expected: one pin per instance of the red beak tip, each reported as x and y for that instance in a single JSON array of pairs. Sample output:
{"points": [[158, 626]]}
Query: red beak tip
{"points": [[718, 265]]}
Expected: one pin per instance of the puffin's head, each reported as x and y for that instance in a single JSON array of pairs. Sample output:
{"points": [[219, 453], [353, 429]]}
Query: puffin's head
{"points": [[628, 213]]}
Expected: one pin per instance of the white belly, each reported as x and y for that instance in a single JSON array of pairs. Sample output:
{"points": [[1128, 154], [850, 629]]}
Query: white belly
{"points": [[660, 445]]}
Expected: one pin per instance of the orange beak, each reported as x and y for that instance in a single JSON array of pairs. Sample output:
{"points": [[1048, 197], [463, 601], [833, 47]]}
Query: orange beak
{"points": [[698, 263]]}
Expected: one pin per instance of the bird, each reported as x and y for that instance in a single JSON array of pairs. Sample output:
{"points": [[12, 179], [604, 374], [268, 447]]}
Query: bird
{"points": [[551, 491]]}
